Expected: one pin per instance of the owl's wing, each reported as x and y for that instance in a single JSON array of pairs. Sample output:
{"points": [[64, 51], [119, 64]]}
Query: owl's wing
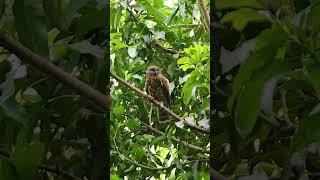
{"points": [[165, 88]]}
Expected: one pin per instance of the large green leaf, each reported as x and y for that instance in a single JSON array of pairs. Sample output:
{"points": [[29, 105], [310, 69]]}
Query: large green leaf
{"points": [[26, 159], [31, 25], [267, 45], [92, 19], [308, 132], [189, 86], [249, 101], [240, 18]]}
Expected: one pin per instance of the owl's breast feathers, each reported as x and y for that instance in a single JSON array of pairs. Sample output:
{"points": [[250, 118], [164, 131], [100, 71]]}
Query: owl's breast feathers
{"points": [[158, 88]]}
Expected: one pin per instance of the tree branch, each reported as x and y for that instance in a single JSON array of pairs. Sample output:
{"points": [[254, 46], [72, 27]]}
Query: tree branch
{"points": [[25, 54], [205, 13], [158, 104]]}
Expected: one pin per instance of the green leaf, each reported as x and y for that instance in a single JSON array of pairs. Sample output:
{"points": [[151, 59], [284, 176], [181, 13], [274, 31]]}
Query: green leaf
{"points": [[313, 73], [170, 133], [114, 177], [133, 124], [132, 52], [227, 4], [308, 132], [7, 170], [185, 67], [116, 44], [184, 60], [138, 152], [14, 110], [31, 95], [26, 159], [240, 18], [53, 33], [267, 46], [85, 47], [118, 110], [250, 98], [31, 25], [158, 140], [314, 14], [266, 167], [148, 137], [189, 86], [89, 21]]}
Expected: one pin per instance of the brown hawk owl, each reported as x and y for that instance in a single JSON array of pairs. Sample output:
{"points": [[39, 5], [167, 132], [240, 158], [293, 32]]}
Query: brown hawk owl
{"points": [[157, 85]]}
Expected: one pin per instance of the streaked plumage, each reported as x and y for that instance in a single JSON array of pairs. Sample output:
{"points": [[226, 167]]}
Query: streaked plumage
{"points": [[157, 85]]}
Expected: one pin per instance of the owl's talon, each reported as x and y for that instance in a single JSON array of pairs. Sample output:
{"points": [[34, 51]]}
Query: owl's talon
{"points": [[161, 104]]}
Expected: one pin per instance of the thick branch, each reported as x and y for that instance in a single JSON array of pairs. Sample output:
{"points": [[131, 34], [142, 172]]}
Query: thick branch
{"points": [[190, 146], [160, 105], [44, 65], [54, 170], [205, 13]]}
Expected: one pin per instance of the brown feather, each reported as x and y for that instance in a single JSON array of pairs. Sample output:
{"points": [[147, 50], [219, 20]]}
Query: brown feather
{"points": [[157, 85]]}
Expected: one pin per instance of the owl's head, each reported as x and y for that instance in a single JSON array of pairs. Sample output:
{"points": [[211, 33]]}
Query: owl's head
{"points": [[153, 71]]}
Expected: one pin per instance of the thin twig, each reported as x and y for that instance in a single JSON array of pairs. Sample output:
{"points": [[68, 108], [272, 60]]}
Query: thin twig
{"points": [[159, 104]]}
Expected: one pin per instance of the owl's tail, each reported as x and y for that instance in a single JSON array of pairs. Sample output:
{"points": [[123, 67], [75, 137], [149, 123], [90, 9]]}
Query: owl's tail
{"points": [[163, 115]]}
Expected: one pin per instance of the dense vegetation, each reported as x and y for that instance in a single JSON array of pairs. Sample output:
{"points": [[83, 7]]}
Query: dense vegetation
{"points": [[173, 36], [266, 123]]}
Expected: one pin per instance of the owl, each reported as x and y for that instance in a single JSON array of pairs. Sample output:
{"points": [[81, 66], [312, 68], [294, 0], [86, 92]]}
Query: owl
{"points": [[157, 85]]}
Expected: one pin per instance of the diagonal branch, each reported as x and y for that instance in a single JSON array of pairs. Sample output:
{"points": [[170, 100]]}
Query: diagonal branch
{"points": [[158, 104], [205, 13], [25, 54]]}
